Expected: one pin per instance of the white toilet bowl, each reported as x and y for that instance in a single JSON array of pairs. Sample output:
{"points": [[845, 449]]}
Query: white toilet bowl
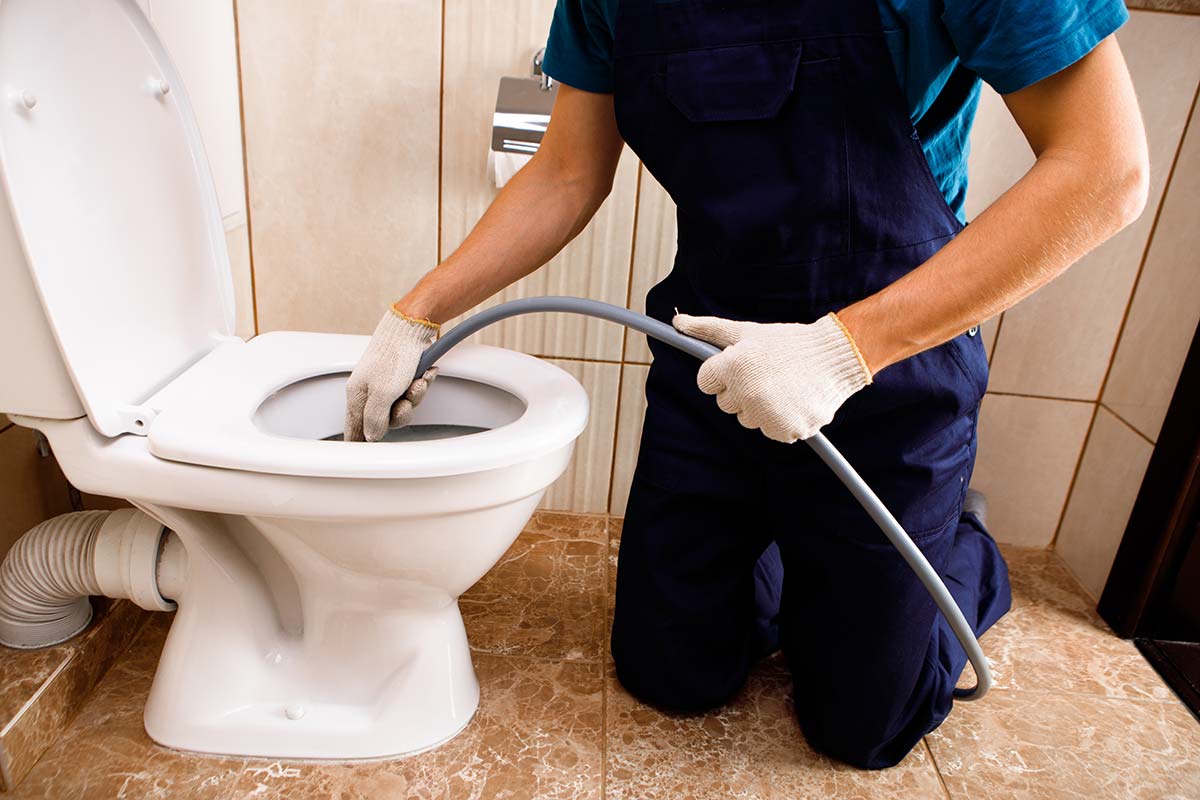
{"points": [[317, 617]]}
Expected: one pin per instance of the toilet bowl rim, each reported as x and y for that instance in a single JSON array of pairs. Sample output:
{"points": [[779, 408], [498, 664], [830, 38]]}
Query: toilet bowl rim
{"points": [[206, 416]]}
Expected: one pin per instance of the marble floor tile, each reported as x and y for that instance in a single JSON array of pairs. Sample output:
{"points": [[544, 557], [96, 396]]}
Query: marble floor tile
{"points": [[751, 749], [105, 753], [1041, 745], [545, 597], [538, 734], [1054, 641]]}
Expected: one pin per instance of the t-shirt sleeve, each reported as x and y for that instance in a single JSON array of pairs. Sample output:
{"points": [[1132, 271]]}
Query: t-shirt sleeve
{"points": [[580, 47], [1012, 44]]}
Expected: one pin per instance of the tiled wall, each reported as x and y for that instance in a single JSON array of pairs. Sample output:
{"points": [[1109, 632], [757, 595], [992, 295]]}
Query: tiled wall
{"points": [[366, 133], [1083, 371], [363, 174], [1157, 331]]}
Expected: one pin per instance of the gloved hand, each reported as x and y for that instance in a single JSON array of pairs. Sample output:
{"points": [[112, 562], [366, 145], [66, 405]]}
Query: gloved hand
{"points": [[786, 379], [381, 392]]}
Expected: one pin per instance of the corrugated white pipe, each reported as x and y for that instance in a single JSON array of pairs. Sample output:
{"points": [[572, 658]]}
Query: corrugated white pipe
{"points": [[48, 575]]}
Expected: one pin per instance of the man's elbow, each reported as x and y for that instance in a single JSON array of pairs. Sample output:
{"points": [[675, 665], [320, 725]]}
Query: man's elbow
{"points": [[586, 182], [1130, 189]]}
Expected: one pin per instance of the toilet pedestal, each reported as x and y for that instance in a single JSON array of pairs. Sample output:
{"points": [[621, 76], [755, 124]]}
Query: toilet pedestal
{"points": [[284, 650]]}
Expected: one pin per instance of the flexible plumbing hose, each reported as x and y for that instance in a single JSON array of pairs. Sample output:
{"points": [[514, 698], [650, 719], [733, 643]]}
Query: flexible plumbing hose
{"points": [[49, 573], [45, 581], [867, 498]]}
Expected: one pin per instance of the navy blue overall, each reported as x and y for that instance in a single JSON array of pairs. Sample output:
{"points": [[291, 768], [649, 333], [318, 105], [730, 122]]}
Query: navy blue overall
{"points": [[780, 131]]}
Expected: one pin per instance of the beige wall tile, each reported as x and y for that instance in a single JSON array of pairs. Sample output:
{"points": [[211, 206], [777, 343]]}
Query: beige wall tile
{"points": [[342, 149], [200, 38], [1110, 477], [487, 39], [584, 486], [630, 414], [653, 253], [1028, 449], [1059, 341], [238, 244], [1166, 305], [32, 488]]}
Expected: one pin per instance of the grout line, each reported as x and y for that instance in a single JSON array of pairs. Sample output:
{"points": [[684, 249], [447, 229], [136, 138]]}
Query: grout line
{"points": [[603, 661], [1129, 425], [1137, 279], [441, 131], [637, 204], [1162, 202], [612, 461], [936, 769], [71, 657], [996, 340], [1062, 512], [1171, 699], [612, 457], [582, 360], [237, 46], [592, 662], [604, 514], [1039, 397]]}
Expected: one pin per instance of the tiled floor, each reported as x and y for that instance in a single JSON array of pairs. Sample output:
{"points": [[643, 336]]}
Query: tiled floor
{"points": [[1076, 713]]}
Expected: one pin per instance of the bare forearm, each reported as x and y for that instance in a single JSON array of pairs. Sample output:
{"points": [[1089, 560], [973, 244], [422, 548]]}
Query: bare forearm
{"points": [[533, 217], [1034, 232], [545, 206], [1088, 182]]}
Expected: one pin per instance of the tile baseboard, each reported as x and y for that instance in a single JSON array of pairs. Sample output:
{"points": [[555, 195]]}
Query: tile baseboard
{"points": [[1177, 6], [42, 690]]}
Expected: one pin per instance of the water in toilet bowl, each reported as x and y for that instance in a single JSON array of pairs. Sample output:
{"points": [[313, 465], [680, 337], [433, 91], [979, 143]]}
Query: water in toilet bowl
{"points": [[421, 433]]}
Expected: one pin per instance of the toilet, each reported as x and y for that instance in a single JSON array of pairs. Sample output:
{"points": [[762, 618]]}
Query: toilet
{"points": [[317, 606]]}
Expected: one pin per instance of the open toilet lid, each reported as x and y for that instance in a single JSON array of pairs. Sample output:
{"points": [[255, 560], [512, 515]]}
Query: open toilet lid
{"points": [[102, 162]]}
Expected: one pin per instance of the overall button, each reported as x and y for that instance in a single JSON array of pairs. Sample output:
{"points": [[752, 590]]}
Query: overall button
{"points": [[974, 331]]}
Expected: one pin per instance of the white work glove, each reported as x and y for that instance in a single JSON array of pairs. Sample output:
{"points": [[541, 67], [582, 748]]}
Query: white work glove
{"points": [[381, 392], [786, 379]]}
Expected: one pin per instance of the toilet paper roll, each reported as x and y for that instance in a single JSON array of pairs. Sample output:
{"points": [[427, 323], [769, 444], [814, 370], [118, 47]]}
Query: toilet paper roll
{"points": [[502, 166]]}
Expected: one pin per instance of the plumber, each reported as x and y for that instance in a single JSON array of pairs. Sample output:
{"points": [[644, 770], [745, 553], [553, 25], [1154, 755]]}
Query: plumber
{"points": [[817, 153]]}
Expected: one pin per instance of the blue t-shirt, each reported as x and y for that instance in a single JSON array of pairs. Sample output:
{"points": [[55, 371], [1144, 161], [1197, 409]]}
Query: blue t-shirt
{"points": [[940, 49]]}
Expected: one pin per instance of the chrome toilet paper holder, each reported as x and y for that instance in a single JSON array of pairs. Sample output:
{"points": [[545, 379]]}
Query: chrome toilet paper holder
{"points": [[523, 108]]}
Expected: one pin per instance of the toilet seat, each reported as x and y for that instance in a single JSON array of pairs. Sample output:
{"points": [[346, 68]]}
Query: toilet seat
{"points": [[114, 210], [207, 416]]}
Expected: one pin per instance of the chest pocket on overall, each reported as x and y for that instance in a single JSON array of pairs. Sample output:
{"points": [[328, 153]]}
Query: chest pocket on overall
{"points": [[759, 149]]}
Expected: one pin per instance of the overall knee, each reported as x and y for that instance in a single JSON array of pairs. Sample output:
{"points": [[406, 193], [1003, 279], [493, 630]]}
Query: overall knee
{"points": [[858, 746], [869, 732], [660, 676]]}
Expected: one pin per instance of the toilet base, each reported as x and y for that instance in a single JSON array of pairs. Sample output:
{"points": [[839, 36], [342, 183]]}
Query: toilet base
{"points": [[323, 638], [288, 705]]}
